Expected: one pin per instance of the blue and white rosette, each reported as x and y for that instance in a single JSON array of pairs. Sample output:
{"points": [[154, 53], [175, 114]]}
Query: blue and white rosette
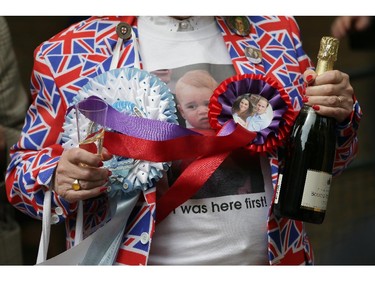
{"points": [[133, 92]]}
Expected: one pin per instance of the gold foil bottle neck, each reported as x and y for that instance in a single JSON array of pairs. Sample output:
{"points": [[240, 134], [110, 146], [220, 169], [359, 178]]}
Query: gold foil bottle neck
{"points": [[329, 47], [327, 55]]}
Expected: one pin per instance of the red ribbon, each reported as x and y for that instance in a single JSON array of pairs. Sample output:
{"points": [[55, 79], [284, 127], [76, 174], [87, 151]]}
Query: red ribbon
{"points": [[185, 147], [208, 151]]}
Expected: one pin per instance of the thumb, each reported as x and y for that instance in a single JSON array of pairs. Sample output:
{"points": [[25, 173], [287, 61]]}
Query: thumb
{"points": [[309, 76]]}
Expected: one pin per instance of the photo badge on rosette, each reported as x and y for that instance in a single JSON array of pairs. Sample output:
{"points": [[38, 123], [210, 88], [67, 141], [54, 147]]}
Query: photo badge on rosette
{"points": [[256, 102], [129, 92]]}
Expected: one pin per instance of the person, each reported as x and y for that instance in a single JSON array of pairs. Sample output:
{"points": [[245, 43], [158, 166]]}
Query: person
{"points": [[260, 119], [230, 228], [14, 100], [13, 106], [241, 109], [193, 92], [359, 30]]}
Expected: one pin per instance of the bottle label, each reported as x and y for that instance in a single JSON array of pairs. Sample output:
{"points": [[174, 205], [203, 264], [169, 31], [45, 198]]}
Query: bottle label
{"points": [[278, 188], [316, 190]]}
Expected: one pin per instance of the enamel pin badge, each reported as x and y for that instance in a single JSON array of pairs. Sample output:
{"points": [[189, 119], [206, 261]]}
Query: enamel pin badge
{"points": [[239, 25], [253, 55]]}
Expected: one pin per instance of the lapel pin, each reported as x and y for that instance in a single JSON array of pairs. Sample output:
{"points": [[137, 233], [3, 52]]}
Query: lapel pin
{"points": [[239, 25], [253, 55]]}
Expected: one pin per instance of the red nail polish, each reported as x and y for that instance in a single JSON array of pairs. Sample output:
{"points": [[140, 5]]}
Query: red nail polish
{"points": [[103, 189], [316, 107], [109, 173], [100, 164], [309, 78], [305, 99]]}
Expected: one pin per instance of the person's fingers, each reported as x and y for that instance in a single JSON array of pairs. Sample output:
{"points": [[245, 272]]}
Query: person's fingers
{"points": [[309, 76], [362, 23], [76, 166], [331, 94]]}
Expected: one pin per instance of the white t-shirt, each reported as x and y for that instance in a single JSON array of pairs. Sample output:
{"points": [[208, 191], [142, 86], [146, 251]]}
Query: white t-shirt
{"points": [[163, 47], [226, 220]]}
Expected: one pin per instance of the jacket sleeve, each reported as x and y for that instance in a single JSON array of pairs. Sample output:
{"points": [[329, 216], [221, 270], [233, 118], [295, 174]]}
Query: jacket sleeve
{"points": [[347, 139], [36, 154]]}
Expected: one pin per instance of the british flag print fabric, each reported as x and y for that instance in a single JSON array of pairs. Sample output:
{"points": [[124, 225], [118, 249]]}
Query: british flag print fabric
{"points": [[66, 62]]}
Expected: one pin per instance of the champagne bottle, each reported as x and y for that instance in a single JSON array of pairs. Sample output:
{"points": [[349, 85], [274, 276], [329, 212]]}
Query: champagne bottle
{"points": [[304, 182]]}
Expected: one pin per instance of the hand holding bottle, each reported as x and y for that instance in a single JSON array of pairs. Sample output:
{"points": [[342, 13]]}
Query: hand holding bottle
{"points": [[304, 182], [329, 93]]}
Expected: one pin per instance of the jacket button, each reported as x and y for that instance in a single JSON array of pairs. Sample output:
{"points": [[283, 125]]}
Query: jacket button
{"points": [[124, 30], [59, 211], [145, 238], [54, 219]]}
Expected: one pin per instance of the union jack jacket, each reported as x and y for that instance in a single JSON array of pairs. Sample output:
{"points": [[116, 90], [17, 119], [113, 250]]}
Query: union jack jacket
{"points": [[66, 62]]}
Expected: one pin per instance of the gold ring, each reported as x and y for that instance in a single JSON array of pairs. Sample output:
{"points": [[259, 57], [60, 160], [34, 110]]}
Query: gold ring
{"points": [[75, 185]]}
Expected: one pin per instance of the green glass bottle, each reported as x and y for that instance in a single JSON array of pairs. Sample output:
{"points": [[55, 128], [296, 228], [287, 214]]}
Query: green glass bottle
{"points": [[304, 182]]}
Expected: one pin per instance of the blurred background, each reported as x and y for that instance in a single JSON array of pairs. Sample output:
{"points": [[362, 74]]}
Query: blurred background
{"points": [[345, 237]]}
